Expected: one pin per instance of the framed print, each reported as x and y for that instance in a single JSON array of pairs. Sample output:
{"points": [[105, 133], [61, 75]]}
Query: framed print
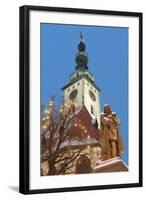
{"points": [[80, 99]]}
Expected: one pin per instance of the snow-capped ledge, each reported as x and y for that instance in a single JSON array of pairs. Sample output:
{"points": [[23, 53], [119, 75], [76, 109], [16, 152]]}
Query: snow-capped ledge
{"points": [[112, 165]]}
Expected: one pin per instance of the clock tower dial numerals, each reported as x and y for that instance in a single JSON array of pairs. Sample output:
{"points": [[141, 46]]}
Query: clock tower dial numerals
{"points": [[92, 95], [73, 94]]}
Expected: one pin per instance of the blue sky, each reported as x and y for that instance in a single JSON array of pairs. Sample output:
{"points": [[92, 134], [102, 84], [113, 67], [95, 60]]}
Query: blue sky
{"points": [[107, 49]]}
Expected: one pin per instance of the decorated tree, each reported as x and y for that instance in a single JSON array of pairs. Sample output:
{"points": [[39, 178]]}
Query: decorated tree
{"points": [[59, 128]]}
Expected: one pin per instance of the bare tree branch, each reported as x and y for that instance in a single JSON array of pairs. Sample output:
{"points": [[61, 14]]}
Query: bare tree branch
{"points": [[56, 133]]}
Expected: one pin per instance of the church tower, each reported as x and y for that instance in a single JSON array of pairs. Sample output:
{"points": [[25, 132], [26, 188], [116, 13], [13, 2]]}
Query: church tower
{"points": [[82, 89]]}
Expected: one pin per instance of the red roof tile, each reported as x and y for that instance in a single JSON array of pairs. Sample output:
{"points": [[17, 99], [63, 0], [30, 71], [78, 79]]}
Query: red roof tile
{"points": [[83, 126]]}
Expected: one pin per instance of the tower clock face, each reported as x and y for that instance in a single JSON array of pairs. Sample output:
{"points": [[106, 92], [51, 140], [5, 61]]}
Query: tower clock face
{"points": [[73, 94], [92, 95]]}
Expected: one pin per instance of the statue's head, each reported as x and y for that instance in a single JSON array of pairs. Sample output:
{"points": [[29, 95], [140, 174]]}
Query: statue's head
{"points": [[107, 109]]}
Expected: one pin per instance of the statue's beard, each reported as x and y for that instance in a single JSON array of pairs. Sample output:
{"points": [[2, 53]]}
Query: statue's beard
{"points": [[108, 112]]}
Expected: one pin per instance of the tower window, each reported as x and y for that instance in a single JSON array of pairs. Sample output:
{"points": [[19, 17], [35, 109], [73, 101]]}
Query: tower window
{"points": [[92, 109], [78, 83], [88, 84], [73, 86], [68, 90]]}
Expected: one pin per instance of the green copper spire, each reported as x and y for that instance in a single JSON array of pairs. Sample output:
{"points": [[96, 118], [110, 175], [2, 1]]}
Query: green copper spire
{"points": [[81, 68], [81, 57]]}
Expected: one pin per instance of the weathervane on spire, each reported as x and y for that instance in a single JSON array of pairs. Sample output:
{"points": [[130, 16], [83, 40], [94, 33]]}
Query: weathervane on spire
{"points": [[81, 45], [81, 36]]}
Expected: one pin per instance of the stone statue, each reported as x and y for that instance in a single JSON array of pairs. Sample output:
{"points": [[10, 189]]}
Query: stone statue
{"points": [[110, 139]]}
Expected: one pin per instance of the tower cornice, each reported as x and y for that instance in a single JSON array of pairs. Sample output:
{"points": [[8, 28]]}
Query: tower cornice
{"points": [[78, 79]]}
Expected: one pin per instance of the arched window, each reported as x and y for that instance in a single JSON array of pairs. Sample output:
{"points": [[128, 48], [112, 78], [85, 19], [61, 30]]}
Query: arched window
{"points": [[92, 109]]}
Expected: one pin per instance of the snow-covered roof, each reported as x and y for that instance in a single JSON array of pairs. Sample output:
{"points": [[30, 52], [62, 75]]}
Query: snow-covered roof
{"points": [[75, 142]]}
